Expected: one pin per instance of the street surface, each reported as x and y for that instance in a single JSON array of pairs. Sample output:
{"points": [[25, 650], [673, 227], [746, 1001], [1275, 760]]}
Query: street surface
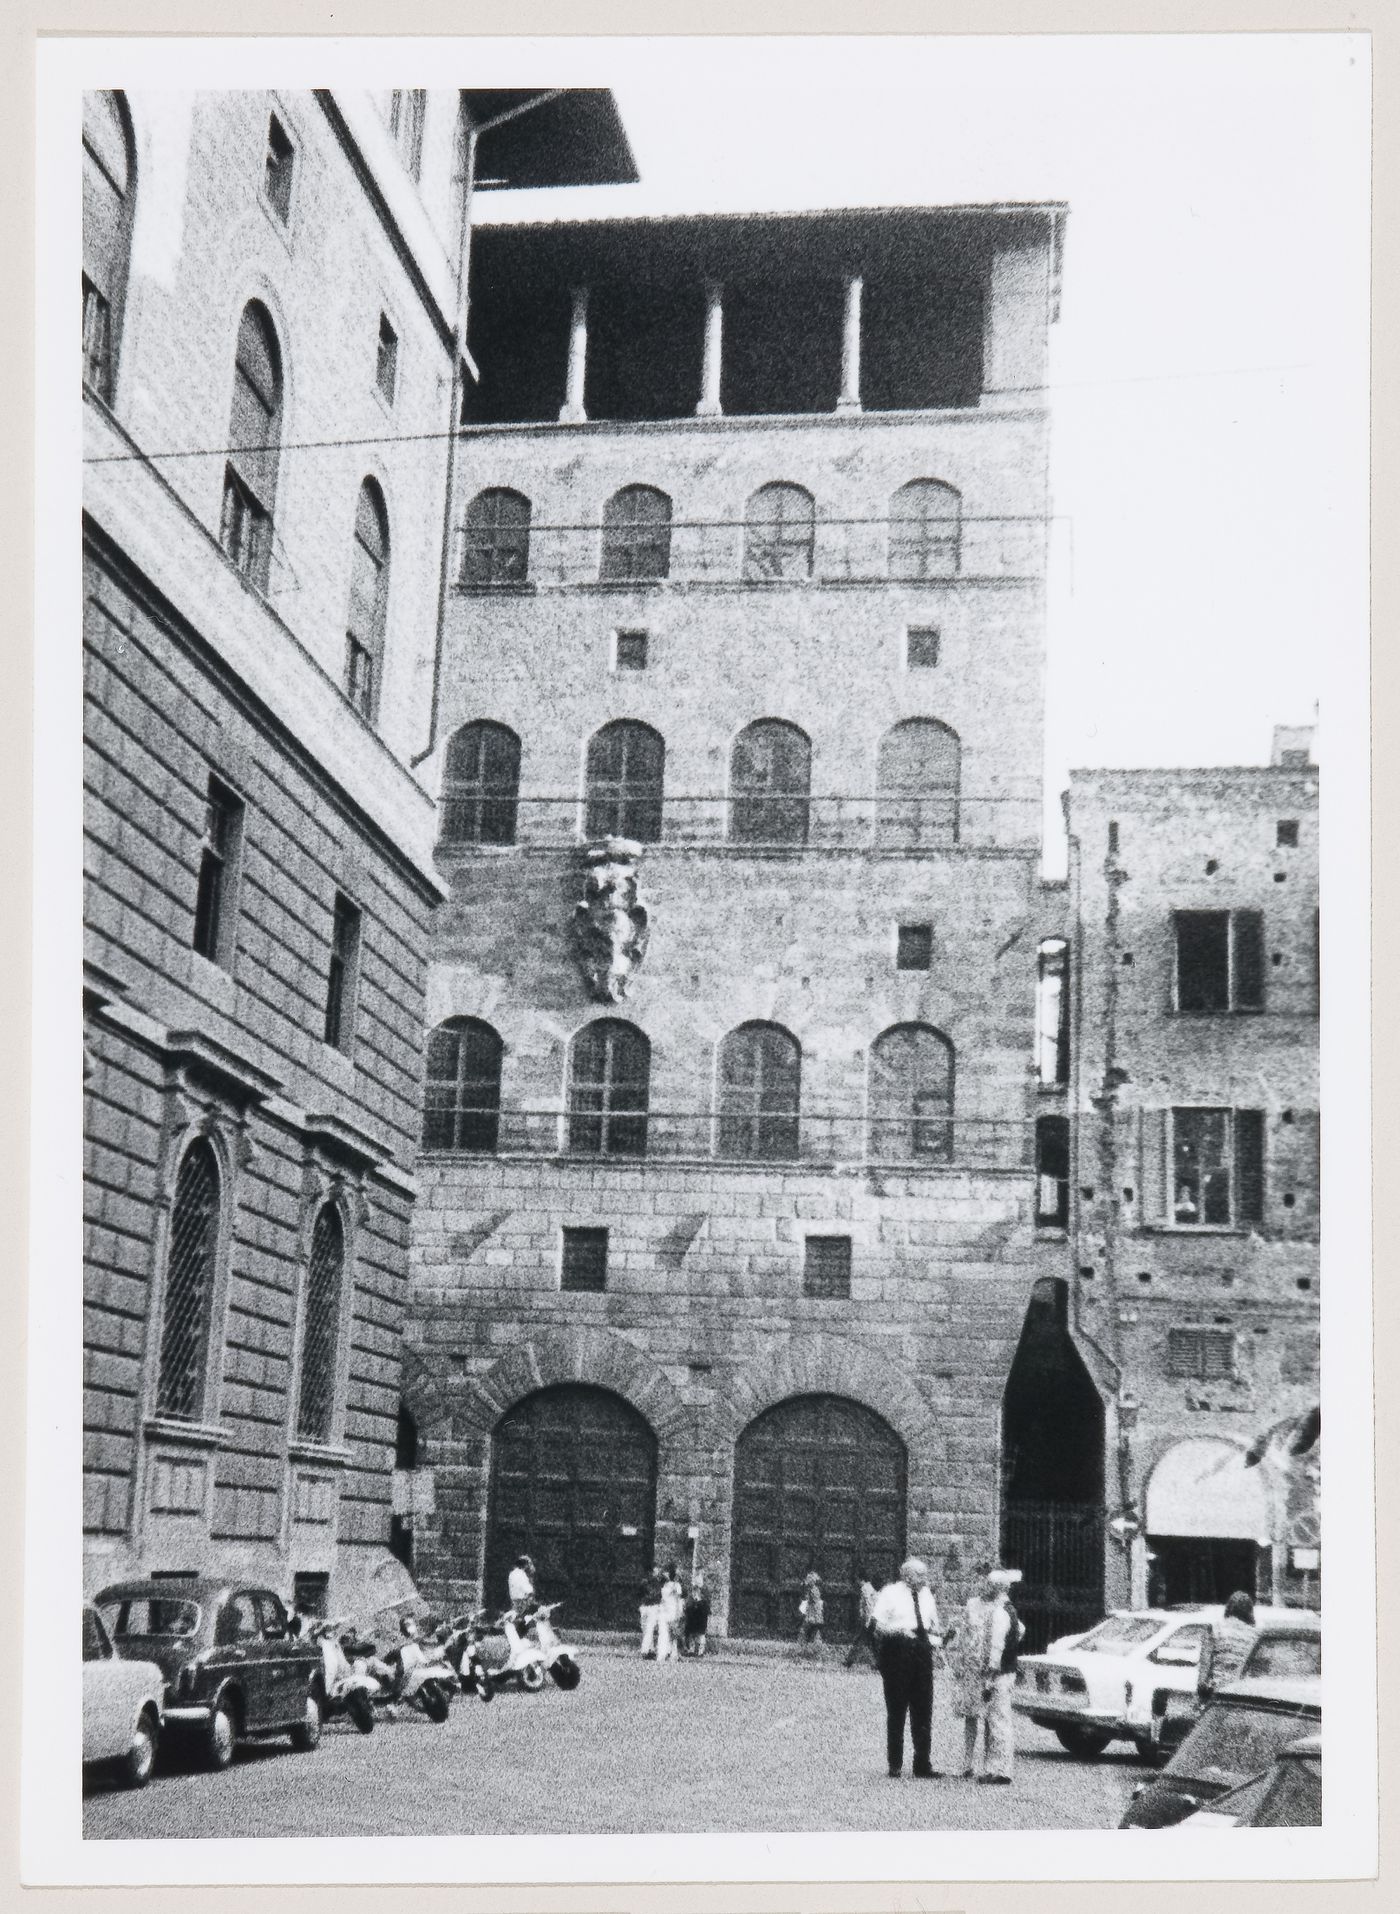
{"points": [[724, 1745]]}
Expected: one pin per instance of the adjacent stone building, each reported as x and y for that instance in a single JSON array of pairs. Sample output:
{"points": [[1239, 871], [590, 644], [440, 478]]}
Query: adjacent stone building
{"points": [[1193, 1191], [726, 1231], [271, 321]]}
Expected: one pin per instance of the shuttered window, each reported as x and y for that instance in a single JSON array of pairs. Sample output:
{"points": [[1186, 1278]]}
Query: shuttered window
{"points": [[1219, 960], [1202, 1167], [1203, 1355]]}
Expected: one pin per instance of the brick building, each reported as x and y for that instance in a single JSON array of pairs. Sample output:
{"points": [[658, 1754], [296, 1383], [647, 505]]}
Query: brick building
{"points": [[271, 300], [1192, 1194], [726, 1230]]}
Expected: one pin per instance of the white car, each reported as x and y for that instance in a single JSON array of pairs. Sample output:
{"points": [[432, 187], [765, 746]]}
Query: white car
{"points": [[122, 1703], [1099, 1687]]}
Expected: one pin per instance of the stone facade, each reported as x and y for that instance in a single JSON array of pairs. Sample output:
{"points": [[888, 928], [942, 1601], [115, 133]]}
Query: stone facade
{"points": [[1200, 1328], [705, 1321]]}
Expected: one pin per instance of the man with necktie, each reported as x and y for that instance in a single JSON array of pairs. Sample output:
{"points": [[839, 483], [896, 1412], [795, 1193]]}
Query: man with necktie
{"points": [[907, 1633]]}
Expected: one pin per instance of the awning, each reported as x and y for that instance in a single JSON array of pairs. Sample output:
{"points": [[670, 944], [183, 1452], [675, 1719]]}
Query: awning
{"points": [[576, 139], [1202, 1487]]}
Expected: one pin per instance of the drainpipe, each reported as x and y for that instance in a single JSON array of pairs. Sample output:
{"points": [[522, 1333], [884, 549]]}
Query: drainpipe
{"points": [[454, 414]]}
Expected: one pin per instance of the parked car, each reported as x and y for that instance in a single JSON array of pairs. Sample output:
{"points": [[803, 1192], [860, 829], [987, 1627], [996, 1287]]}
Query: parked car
{"points": [[121, 1706], [233, 1670], [1286, 1795], [1234, 1742], [1288, 1647], [1098, 1687]]}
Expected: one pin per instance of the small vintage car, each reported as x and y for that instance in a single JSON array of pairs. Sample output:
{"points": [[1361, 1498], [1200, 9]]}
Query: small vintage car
{"points": [[121, 1707], [1235, 1742], [1098, 1687], [233, 1669]]}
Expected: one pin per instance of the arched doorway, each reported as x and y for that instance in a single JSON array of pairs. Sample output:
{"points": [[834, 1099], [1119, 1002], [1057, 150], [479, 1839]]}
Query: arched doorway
{"points": [[819, 1482], [573, 1483]]}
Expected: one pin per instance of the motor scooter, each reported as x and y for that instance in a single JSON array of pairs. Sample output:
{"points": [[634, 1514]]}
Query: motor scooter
{"points": [[562, 1662], [411, 1675], [349, 1691], [461, 1644], [509, 1654]]}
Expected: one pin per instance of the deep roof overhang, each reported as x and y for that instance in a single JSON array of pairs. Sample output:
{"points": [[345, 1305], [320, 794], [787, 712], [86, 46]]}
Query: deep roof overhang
{"points": [[575, 139]]}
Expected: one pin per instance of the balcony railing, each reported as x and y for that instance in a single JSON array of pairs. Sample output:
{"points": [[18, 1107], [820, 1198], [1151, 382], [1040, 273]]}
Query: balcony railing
{"points": [[730, 553], [805, 1139], [475, 818]]}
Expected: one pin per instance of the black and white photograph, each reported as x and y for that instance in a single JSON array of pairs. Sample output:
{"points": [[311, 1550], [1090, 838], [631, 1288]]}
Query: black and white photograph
{"points": [[687, 1189]]}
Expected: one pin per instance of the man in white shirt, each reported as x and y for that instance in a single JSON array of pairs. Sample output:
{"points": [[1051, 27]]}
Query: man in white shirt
{"points": [[907, 1632], [520, 1587]]}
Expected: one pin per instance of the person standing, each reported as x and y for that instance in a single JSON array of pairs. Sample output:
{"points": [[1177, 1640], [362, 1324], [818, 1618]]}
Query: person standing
{"points": [[863, 1642], [651, 1613], [905, 1618], [669, 1620], [1231, 1638], [812, 1609], [988, 1634], [697, 1615]]}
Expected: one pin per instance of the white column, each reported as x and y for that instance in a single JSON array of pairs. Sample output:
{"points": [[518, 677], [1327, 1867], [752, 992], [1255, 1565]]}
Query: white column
{"points": [[709, 406], [572, 412], [849, 400]]}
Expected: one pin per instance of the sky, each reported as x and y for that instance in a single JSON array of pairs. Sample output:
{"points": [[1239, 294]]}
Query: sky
{"points": [[1208, 371]]}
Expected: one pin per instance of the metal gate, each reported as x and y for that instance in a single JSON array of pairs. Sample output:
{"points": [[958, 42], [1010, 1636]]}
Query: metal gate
{"points": [[819, 1482], [1059, 1549], [573, 1484]]}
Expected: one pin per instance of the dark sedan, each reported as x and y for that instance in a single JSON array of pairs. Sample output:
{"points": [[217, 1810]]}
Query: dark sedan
{"points": [[1235, 1740], [233, 1669]]}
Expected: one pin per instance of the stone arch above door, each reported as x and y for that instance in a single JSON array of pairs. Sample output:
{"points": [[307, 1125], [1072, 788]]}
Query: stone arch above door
{"points": [[546, 1357], [825, 1366]]}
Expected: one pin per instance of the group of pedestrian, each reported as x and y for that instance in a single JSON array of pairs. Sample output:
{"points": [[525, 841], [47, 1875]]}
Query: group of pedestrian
{"points": [[970, 1667], [675, 1618]]}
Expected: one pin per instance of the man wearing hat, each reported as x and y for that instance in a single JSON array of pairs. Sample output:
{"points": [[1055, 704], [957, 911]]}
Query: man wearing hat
{"points": [[907, 1632], [987, 1634]]}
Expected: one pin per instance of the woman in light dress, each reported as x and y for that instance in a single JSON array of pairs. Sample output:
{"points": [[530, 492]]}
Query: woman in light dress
{"points": [[983, 1644]]}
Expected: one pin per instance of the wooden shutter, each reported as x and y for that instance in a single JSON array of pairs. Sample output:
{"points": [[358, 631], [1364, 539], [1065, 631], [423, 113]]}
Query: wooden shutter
{"points": [[1152, 1166], [1249, 1166], [1247, 956]]}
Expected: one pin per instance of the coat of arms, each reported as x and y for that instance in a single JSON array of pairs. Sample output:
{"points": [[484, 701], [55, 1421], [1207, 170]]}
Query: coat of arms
{"points": [[611, 925]]}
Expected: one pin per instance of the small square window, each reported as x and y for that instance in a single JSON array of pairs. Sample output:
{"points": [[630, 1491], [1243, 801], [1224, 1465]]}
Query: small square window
{"points": [[921, 647], [386, 365], [914, 949], [827, 1267], [585, 1263], [277, 169], [1287, 834], [631, 653]]}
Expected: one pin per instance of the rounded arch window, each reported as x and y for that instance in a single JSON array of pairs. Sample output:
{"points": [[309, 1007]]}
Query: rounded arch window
{"points": [[637, 534], [609, 1089], [911, 1095], [369, 601], [625, 779], [918, 782], [925, 530], [481, 785], [320, 1331], [770, 784], [496, 550], [780, 532], [462, 1101], [188, 1304], [760, 1092], [254, 436]]}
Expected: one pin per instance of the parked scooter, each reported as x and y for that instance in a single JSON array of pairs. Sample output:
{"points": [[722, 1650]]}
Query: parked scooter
{"points": [[461, 1643], [350, 1691], [561, 1662], [413, 1675], [509, 1653]]}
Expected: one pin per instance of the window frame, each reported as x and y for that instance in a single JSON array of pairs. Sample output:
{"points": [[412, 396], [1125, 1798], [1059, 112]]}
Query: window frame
{"points": [[626, 541], [927, 818], [575, 1243], [1247, 1208], [220, 871], [248, 517], [917, 550], [494, 804], [922, 1126], [829, 1285], [461, 1112], [162, 1388], [496, 548], [343, 974], [608, 1129], [741, 1106], [768, 540], [1235, 961], [331, 1334], [770, 816], [635, 802], [366, 624]]}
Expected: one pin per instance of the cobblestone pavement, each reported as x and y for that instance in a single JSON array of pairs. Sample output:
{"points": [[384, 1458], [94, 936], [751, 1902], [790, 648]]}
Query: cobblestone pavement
{"points": [[724, 1745]]}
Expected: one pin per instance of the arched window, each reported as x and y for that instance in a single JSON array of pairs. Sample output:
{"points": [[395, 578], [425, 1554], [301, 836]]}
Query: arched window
{"points": [[911, 1095], [320, 1330], [780, 532], [625, 778], [109, 181], [925, 530], [481, 785], [917, 780], [188, 1306], [369, 601], [770, 783], [637, 534], [254, 433], [609, 1085], [462, 1104], [760, 1092], [497, 548]]}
